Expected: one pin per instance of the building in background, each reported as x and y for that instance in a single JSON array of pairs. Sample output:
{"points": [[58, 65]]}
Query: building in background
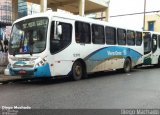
{"points": [[5, 11], [100, 15], [5, 16], [152, 22], [24, 9], [27, 8]]}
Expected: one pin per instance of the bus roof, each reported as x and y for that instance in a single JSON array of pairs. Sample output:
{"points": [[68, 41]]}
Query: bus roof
{"points": [[50, 14]]}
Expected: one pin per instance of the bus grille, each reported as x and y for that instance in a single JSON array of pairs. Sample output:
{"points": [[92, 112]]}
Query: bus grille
{"points": [[23, 66]]}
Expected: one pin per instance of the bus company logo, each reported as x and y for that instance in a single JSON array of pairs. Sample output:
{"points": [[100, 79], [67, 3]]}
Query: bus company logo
{"points": [[115, 53]]}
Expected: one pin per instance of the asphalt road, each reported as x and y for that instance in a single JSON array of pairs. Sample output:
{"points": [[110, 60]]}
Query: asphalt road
{"points": [[110, 90]]}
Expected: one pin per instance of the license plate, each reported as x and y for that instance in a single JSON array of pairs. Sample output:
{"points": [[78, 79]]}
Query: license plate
{"points": [[22, 72]]}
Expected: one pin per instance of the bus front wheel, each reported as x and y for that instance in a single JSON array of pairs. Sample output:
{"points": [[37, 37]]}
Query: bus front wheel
{"points": [[127, 65], [77, 71]]}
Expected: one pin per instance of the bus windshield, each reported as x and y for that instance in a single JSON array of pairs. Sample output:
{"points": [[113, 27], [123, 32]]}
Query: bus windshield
{"points": [[28, 36]]}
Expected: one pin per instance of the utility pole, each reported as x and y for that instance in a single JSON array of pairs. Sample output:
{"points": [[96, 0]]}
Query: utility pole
{"points": [[144, 19], [6, 12]]}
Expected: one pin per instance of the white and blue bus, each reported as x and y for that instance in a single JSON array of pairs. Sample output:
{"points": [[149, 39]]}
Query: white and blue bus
{"points": [[151, 48], [52, 44]]}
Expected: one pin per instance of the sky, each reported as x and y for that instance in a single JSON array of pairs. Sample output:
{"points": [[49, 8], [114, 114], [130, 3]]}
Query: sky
{"points": [[118, 7]]}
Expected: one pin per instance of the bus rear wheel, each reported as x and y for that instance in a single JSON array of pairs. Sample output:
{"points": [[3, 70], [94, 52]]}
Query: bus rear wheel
{"points": [[158, 62], [127, 65], [77, 71]]}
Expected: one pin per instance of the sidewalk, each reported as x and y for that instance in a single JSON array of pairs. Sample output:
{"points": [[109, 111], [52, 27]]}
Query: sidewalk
{"points": [[4, 78], [2, 68]]}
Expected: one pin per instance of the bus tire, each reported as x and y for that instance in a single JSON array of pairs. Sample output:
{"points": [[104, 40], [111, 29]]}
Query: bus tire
{"points": [[127, 65], [158, 65], [77, 71]]}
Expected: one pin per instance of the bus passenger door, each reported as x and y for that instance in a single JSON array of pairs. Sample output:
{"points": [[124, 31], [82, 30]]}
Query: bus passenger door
{"points": [[60, 46], [147, 48]]}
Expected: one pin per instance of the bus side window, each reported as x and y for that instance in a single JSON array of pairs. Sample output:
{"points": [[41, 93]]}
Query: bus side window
{"points": [[110, 33], [60, 36], [121, 36], [82, 32], [130, 38], [52, 31], [78, 37], [98, 34], [138, 38], [147, 42], [154, 42]]}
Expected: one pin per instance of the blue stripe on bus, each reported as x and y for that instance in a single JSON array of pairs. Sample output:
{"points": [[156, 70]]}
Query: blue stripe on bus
{"points": [[43, 71], [113, 52]]}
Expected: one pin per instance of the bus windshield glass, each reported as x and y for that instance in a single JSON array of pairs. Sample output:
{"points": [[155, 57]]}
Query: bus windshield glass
{"points": [[28, 36]]}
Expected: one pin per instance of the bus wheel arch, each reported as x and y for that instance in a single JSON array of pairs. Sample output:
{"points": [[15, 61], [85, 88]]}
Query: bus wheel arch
{"points": [[78, 70], [127, 65]]}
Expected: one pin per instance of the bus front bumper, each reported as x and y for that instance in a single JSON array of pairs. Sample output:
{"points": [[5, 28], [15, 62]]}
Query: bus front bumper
{"points": [[41, 71]]}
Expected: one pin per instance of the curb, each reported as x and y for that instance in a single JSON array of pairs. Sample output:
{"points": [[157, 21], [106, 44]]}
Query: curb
{"points": [[4, 79], [2, 68]]}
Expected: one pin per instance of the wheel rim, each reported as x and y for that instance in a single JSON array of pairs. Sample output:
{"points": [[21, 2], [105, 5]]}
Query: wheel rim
{"points": [[127, 66], [78, 70]]}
